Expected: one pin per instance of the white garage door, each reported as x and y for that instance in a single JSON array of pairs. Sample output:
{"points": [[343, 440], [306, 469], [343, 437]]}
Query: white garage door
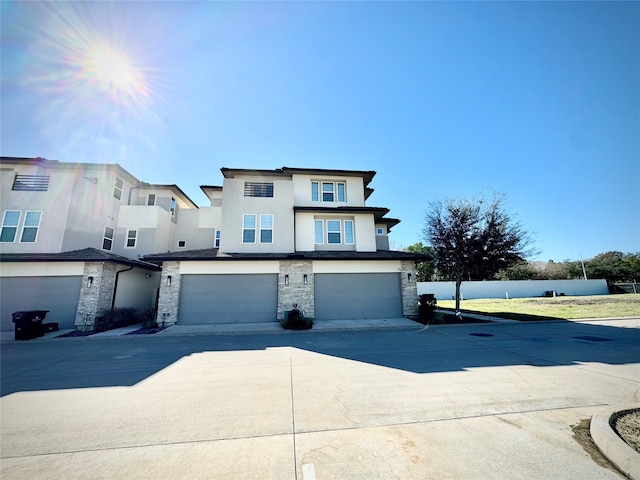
{"points": [[357, 295], [206, 299]]}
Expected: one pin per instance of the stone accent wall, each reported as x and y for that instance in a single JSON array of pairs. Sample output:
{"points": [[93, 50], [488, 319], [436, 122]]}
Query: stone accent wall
{"points": [[169, 299], [97, 297], [409, 288], [296, 291]]}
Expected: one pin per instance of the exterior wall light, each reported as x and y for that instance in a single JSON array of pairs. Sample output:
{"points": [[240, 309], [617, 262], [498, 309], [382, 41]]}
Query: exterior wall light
{"points": [[286, 279], [89, 282], [409, 277], [168, 280], [305, 279]]}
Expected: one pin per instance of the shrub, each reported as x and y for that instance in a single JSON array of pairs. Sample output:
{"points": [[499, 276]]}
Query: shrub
{"points": [[427, 304], [114, 318], [147, 316], [294, 319]]}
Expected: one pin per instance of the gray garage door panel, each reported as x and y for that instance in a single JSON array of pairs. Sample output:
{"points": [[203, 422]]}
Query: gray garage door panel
{"points": [[58, 294], [206, 299], [357, 295]]}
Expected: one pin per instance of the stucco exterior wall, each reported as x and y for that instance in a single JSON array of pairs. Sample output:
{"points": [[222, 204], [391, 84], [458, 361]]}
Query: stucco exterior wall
{"points": [[235, 205], [137, 288], [513, 288]]}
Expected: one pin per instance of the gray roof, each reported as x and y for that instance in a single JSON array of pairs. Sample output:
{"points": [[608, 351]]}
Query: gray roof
{"points": [[84, 255], [215, 254]]}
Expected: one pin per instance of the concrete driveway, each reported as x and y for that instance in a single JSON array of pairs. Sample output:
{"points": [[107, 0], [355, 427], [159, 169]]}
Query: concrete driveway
{"points": [[494, 401]]}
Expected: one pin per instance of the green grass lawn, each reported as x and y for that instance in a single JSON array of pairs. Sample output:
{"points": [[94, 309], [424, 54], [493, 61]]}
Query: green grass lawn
{"points": [[530, 309]]}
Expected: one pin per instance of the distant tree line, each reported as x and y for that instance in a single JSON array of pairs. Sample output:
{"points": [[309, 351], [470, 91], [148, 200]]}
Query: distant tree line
{"points": [[615, 267]]}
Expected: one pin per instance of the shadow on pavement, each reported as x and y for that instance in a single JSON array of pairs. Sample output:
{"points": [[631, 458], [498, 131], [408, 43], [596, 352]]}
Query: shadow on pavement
{"points": [[125, 361]]}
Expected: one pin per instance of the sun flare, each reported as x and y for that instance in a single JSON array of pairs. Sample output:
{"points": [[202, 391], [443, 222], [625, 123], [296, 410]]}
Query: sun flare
{"points": [[111, 69]]}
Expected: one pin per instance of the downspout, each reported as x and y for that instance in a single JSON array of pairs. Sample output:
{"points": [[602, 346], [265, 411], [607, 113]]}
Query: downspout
{"points": [[115, 286]]}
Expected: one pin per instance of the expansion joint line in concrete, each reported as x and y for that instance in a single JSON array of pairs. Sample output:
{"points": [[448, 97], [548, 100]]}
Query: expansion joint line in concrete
{"points": [[453, 419], [293, 409]]}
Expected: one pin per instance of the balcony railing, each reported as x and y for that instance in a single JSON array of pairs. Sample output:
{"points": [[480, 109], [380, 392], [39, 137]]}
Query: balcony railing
{"points": [[31, 183]]}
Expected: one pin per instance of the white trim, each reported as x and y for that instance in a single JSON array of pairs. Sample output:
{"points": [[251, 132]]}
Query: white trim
{"points": [[127, 238], [17, 227], [356, 266], [37, 227], [255, 228], [104, 237], [265, 229], [229, 267], [41, 269]]}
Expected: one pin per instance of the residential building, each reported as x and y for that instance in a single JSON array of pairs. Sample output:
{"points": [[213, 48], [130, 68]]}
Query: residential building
{"points": [[268, 239]]}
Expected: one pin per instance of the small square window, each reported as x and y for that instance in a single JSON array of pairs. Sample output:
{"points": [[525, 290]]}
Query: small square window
{"points": [[182, 243], [379, 231]]}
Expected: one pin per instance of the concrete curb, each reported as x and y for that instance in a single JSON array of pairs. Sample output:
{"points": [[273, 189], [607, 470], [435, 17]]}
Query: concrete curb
{"points": [[625, 458]]}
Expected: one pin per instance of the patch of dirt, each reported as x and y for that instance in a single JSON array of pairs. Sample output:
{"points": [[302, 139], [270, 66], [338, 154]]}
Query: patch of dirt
{"points": [[627, 426], [441, 318], [582, 435]]}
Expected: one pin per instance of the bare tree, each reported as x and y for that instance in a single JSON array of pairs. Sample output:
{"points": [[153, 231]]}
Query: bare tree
{"points": [[473, 239]]}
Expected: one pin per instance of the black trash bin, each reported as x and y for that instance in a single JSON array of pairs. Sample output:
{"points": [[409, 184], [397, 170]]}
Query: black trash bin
{"points": [[29, 324]]}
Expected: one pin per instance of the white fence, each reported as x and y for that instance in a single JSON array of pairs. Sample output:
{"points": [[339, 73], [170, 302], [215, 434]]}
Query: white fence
{"points": [[514, 288]]}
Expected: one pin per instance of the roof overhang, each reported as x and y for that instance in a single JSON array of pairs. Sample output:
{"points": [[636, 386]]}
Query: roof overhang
{"points": [[214, 254], [84, 255]]}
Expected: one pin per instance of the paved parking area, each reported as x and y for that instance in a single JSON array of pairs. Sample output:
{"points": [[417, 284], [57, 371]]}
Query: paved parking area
{"points": [[481, 401]]}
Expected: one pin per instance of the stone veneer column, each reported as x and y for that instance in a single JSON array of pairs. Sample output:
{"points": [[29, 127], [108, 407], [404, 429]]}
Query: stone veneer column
{"points": [[97, 297], [409, 288], [296, 291], [169, 299]]}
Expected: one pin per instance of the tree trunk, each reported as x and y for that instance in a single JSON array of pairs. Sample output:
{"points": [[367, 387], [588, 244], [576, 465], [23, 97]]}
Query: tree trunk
{"points": [[458, 284]]}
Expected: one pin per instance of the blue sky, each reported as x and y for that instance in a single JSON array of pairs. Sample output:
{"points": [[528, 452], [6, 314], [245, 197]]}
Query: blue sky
{"points": [[539, 101]]}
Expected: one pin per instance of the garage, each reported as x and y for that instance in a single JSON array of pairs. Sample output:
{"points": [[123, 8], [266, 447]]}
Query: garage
{"points": [[216, 299], [59, 295], [357, 295]]}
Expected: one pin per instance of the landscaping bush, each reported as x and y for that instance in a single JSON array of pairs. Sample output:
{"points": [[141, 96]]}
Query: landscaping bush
{"points": [[294, 319], [115, 318], [147, 316]]}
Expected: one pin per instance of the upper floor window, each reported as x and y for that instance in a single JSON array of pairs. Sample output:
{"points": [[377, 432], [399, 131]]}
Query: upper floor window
{"points": [[182, 243], [10, 222], [30, 227], [266, 228], [131, 238], [107, 241], [328, 191], [151, 199], [217, 239], [379, 231], [257, 189], [31, 183], [172, 206], [338, 232], [248, 229], [117, 188]]}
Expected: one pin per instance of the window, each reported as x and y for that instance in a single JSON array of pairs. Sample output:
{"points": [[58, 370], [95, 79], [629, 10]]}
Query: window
{"points": [[117, 188], [256, 189], [131, 238], [331, 191], [249, 229], [151, 200], [217, 239], [30, 227], [319, 231], [379, 231], [327, 192], [348, 232], [107, 241], [334, 234], [31, 183], [266, 228], [10, 223], [182, 243], [172, 206]]}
